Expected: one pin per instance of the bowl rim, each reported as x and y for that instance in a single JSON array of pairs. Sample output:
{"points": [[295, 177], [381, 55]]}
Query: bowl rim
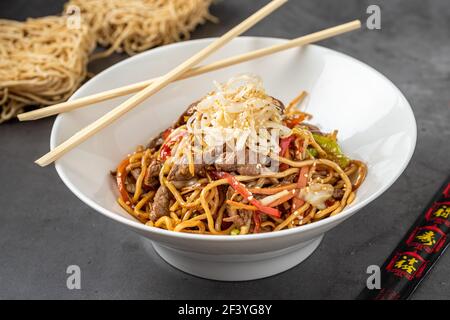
{"points": [[346, 213]]}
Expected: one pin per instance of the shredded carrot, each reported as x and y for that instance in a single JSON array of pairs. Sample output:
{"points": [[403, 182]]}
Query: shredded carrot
{"points": [[269, 191], [284, 150], [120, 179], [257, 220], [243, 191], [239, 205], [295, 120], [301, 183], [283, 199]]}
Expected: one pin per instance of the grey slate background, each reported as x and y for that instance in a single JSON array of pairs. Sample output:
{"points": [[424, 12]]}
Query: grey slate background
{"points": [[44, 227]]}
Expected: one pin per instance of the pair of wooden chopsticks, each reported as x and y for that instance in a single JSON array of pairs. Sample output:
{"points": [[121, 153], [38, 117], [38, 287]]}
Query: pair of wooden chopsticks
{"points": [[135, 87], [147, 88]]}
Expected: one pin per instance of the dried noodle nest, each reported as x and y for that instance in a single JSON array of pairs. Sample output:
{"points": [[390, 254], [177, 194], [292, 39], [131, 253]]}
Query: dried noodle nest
{"points": [[136, 25], [42, 62]]}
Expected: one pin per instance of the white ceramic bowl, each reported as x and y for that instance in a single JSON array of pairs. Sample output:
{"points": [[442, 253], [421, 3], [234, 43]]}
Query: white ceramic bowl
{"points": [[374, 120]]}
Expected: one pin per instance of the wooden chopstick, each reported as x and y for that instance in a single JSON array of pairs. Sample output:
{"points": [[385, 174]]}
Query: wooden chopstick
{"points": [[135, 87], [155, 86]]}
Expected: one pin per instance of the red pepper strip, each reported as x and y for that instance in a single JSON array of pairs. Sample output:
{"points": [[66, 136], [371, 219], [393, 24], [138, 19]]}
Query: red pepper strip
{"points": [[166, 148], [165, 152], [257, 220], [243, 191], [284, 150], [284, 145], [301, 183], [120, 178]]}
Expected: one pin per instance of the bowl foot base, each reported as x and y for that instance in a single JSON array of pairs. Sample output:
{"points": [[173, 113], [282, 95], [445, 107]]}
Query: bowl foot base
{"points": [[237, 267]]}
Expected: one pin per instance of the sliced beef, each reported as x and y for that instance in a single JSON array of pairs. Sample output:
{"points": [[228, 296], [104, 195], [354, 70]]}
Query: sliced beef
{"points": [[338, 193], [240, 218], [152, 174], [278, 103], [130, 184], [156, 142], [136, 173], [161, 203], [180, 172], [131, 188], [233, 216], [242, 169], [290, 179], [312, 128], [236, 219], [186, 115], [247, 169], [227, 167]]}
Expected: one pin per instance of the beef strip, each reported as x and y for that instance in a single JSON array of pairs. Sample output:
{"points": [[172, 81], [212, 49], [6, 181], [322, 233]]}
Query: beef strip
{"points": [[242, 169], [246, 169], [180, 172], [136, 173], [290, 179], [152, 174], [157, 142], [161, 203], [250, 169], [312, 128], [130, 184], [338, 193], [239, 218], [278, 103], [233, 217], [186, 115], [227, 167]]}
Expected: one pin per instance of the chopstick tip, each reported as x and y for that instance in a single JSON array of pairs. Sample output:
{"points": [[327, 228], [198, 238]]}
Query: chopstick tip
{"points": [[22, 117], [43, 161]]}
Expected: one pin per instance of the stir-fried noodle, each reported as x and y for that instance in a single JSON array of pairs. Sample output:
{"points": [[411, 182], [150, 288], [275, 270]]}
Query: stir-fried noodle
{"points": [[191, 178]]}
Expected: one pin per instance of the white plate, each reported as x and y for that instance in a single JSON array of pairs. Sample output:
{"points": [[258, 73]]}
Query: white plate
{"points": [[374, 120]]}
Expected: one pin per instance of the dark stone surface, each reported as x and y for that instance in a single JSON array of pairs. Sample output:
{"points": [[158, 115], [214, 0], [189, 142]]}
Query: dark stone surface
{"points": [[44, 227]]}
